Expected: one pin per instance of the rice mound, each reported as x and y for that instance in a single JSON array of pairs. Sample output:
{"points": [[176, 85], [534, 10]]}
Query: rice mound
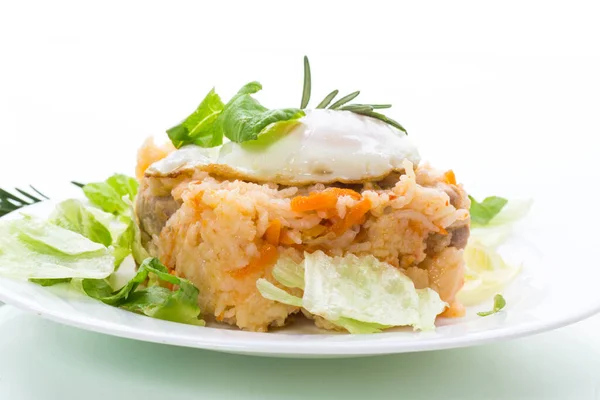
{"points": [[223, 235]]}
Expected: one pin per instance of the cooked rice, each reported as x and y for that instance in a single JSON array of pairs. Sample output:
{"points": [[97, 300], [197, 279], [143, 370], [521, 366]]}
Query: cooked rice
{"points": [[213, 232]]}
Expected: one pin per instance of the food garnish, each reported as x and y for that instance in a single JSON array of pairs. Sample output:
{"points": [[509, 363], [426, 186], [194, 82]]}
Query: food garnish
{"points": [[499, 304]]}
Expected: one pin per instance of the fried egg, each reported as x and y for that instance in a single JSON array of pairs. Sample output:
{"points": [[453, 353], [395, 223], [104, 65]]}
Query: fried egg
{"points": [[326, 146]]}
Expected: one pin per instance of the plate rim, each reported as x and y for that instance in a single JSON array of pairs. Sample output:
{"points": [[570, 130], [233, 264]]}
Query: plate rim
{"points": [[294, 348]]}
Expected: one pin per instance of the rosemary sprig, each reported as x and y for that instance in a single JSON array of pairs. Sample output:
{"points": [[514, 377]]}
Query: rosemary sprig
{"points": [[307, 84], [342, 104], [383, 118], [9, 202], [344, 100], [328, 99]]}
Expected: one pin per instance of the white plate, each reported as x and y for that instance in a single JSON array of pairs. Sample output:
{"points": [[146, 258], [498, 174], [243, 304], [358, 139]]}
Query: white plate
{"points": [[557, 287]]}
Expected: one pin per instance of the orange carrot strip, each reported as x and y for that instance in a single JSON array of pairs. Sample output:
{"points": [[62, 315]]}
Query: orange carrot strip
{"points": [[450, 177], [321, 200], [285, 238], [273, 232], [353, 216], [267, 257]]}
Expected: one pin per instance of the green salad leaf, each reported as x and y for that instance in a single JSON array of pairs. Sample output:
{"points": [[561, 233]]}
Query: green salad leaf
{"points": [[499, 304], [34, 248], [124, 185], [180, 305], [74, 216], [242, 119], [50, 282], [103, 195], [108, 195], [272, 292], [360, 294], [482, 213]]}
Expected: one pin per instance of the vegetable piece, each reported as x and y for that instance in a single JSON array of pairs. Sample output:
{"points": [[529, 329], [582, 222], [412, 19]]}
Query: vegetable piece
{"points": [[289, 273], [245, 119], [307, 84], [267, 257], [499, 304], [482, 213], [48, 238], [354, 216], [486, 273], [124, 185], [104, 196], [344, 100], [513, 211], [198, 127], [180, 305], [273, 232], [9, 202], [241, 120], [325, 102], [49, 282], [272, 292], [33, 248], [366, 290], [324, 200], [73, 215], [362, 295]]}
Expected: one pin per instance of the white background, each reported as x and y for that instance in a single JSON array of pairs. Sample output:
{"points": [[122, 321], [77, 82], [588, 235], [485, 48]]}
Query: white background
{"points": [[506, 93]]}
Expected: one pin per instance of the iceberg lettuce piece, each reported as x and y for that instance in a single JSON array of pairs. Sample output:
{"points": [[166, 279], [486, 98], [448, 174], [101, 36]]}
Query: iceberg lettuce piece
{"points": [[33, 248], [360, 294], [366, 290]]}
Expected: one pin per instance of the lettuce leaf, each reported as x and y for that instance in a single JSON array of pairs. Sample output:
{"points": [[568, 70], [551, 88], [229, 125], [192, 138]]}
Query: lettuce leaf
{"points": [[362, 295], [108, 195], [486, 271], [74, 216], [124, 185], [104, 196], [180, 305], [366, 290], [289, 273], [33, 248], [482, 213], [272, 292]]}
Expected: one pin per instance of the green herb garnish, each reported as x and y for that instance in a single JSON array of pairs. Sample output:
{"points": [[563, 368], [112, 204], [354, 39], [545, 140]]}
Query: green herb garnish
{"points": [[499, 304], [342, 104], [243, 119], [10, 202], [325, 102], [482, 213], [307, 84]]}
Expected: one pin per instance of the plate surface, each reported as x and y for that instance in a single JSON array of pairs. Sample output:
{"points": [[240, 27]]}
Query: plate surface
{"points": [[557, 287]]}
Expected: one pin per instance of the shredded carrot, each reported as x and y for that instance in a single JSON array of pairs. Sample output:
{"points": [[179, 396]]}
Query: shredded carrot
{"points": [[285, 238], [450, 177], [456, 310], [354, 216], [273, 232], [267, 257], [324, 200], [150, 153], [315, 231]]}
